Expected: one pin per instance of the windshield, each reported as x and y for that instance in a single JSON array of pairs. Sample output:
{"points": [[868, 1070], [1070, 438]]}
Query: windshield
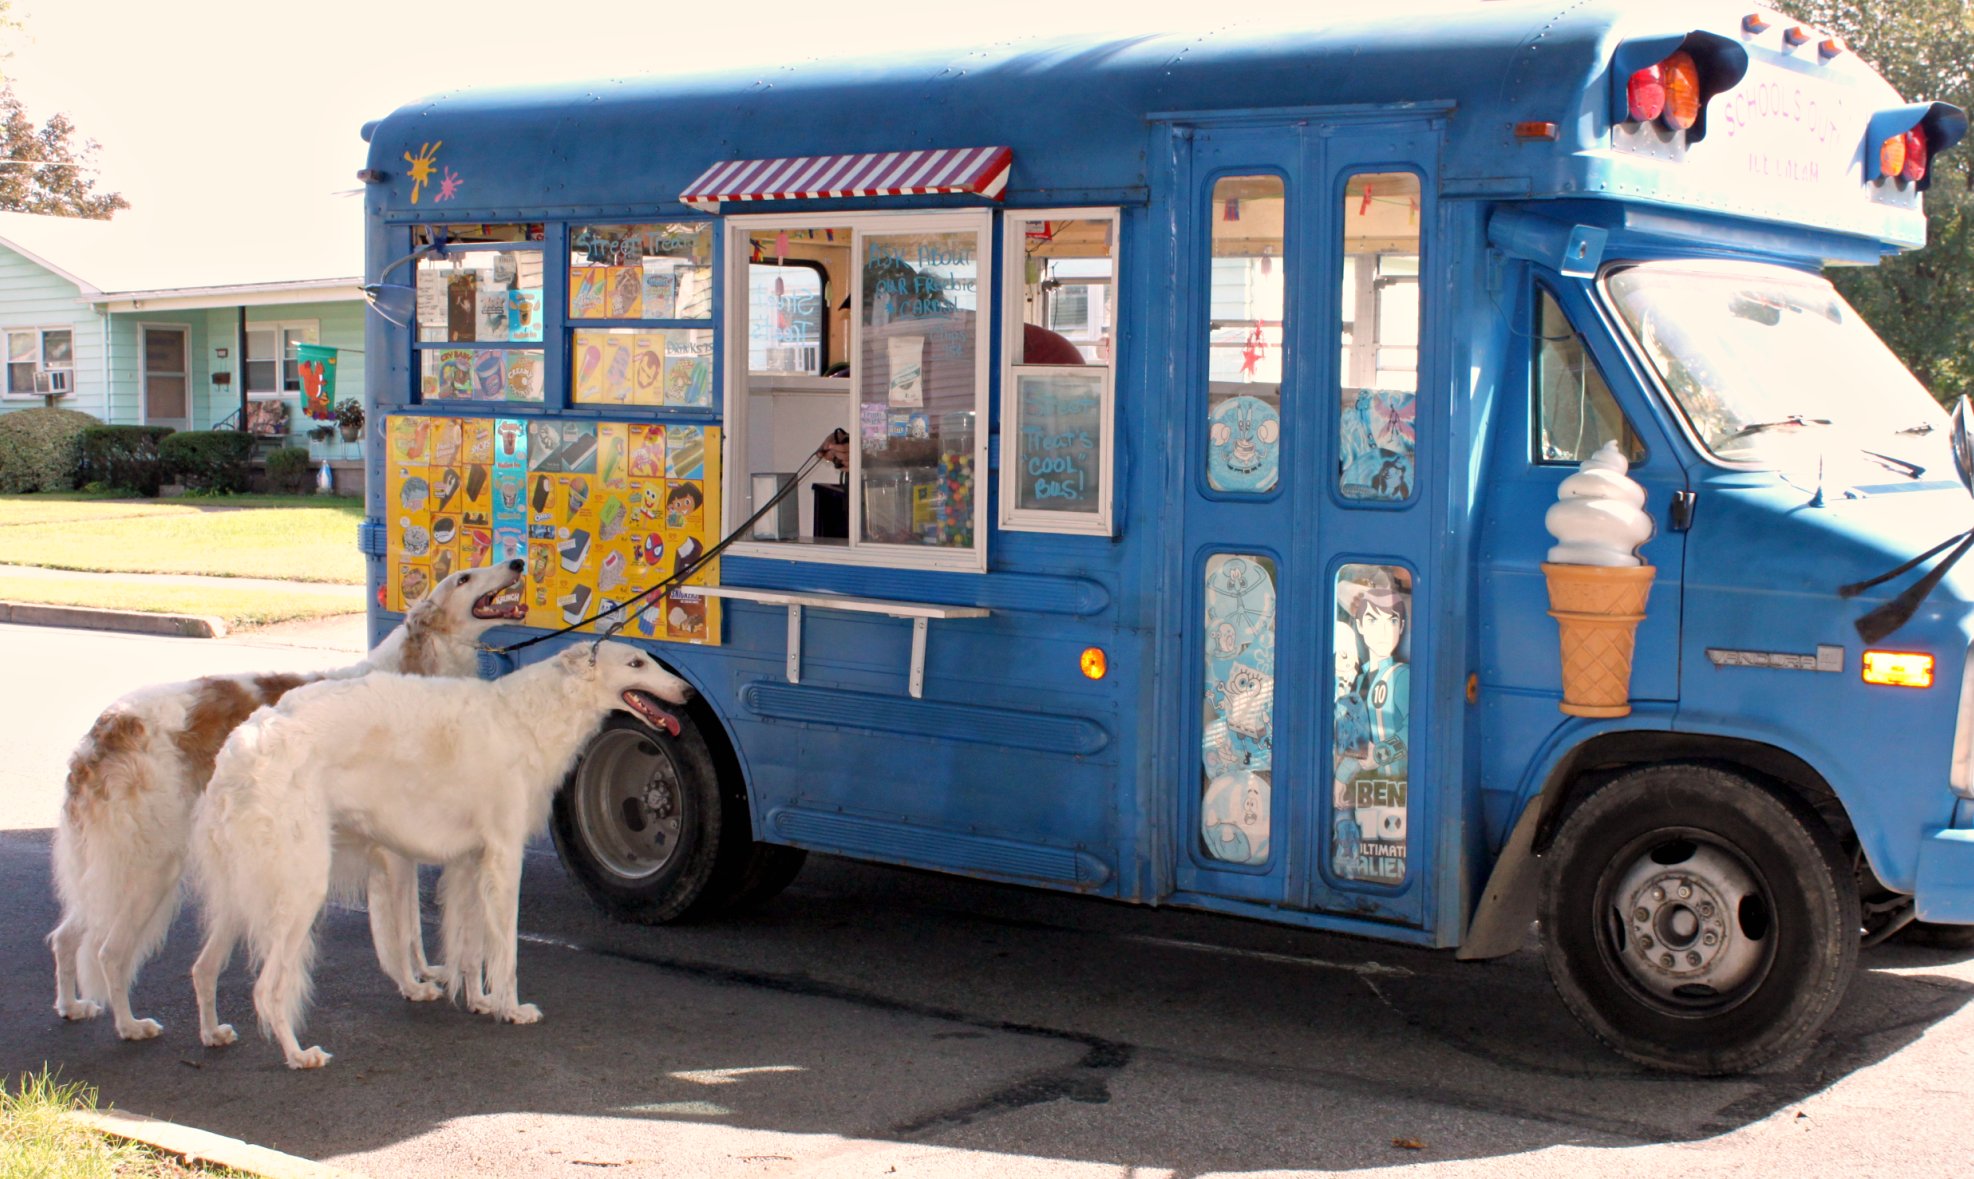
{"points": [[1770, 366]]}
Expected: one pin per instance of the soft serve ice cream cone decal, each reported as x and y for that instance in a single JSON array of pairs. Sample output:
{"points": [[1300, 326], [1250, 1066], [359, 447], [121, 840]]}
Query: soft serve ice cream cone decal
{"points": [[1598, 586]]}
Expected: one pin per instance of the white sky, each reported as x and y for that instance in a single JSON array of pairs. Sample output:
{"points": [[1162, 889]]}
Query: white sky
{"points": [[253, 106]]}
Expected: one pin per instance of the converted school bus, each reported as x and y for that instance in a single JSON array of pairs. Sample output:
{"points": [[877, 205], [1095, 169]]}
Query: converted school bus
{"points": [[1204, 398]]}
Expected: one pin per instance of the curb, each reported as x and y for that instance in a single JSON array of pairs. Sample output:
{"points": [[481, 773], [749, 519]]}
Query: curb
{"points": [[190, 626], [203, 1146]]}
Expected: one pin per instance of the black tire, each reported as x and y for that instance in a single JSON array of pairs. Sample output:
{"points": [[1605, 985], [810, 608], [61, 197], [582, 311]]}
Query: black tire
{"points": [[640, 822], [1745, 967], [770, 868], [1938, 937]]}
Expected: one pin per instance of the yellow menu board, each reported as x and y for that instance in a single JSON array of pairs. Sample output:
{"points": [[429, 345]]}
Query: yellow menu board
{"points": [[600, 511]]}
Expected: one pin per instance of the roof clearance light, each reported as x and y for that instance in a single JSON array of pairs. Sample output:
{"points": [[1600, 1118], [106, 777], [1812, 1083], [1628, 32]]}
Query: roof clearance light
{"points": [[1647, 94], [1796, 35], [1754, 22], [1915, 155], [1892, 156], [1898, 669], [1829, 47], [1682, 82]]}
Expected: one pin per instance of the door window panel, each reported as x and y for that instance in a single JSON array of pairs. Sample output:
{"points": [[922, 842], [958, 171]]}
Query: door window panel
{"points": [[1372, 724], [1237, 755], [1379, 331], [1246, 333], [1574, 411]]}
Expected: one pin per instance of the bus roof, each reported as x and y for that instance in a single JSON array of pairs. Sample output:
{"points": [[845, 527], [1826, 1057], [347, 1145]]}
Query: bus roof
{"points": [[1785, 144]]}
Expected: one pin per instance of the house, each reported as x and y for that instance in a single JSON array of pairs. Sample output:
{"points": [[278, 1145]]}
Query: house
{"points": [[140, 323]]}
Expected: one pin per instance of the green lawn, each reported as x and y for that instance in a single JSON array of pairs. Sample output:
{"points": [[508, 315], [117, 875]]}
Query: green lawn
{"points": [[39, 1141], [293, 538], [244, 606]]}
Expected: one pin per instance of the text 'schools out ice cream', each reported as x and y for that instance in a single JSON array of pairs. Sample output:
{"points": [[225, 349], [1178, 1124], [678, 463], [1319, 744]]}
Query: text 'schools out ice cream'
{"points": [[1599, 515]]}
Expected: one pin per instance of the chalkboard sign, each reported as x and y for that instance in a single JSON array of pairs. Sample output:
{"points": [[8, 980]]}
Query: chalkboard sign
{"points": [[1058, 443]]}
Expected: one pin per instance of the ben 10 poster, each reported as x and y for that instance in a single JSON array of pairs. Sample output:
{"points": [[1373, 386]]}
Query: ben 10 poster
{"points": [[1371, 772], [600, 511]]}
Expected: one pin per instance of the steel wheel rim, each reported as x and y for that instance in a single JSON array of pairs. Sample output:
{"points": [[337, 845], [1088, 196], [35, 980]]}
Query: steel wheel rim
{"points": [[1686, 922], [629, 804]]}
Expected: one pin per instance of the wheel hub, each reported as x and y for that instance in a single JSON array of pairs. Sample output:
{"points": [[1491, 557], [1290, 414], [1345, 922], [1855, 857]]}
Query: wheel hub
{"points": [[1682, 915], [627, 805]]}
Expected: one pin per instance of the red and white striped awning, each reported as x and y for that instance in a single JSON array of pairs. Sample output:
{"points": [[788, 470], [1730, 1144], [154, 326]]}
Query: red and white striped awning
{"points": [[979, 170]]}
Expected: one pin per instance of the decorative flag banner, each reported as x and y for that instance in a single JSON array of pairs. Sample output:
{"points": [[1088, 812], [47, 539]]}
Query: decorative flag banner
{"points": [[318, 370], [980, 171]]}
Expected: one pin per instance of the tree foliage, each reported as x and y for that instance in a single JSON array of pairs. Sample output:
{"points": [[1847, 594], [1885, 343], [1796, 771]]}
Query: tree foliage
{"points": [[51, 172], [1922, 302]]}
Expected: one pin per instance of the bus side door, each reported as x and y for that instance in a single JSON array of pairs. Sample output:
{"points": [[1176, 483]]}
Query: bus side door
{"points": [[1306, 494]]}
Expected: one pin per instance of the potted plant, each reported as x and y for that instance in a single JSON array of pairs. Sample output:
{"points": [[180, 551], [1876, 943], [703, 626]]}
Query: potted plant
{"points": [[349, 420]]}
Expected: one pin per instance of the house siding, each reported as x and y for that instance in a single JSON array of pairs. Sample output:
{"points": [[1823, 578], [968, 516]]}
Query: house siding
{"points": [[32, 296]]}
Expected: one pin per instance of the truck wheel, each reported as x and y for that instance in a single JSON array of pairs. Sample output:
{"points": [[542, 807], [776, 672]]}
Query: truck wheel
{"points": [[639, 823], [770, 868], [1696, 922], [1938, 937]]}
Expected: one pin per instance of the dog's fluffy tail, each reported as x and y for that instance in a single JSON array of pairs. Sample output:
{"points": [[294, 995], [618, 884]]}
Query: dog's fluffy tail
{"points": [[261, 856], [117, 854]]}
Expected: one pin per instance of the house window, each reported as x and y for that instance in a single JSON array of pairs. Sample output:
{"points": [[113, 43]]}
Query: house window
{"points": [[40, 350], [273, 369], [1058, 382], [902, 320]]}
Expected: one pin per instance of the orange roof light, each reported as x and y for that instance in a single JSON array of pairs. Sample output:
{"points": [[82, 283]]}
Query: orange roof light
{"points": [[1754, 22], [1891, 156], [1682, 82], [1796, 35], [1898, 669]]}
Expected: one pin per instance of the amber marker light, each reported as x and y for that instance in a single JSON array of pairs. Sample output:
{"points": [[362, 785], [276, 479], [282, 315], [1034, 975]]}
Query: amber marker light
{"points": [[1094, 663], [1898, 669]]}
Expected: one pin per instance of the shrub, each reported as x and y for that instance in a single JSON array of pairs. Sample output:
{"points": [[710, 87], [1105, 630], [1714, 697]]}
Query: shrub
{"points": [[208, 460], [287, 470], [124, 457], [41, 450]]}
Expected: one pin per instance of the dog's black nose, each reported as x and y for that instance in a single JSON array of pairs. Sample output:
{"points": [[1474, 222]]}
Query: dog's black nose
{"points": [[516, 564]]}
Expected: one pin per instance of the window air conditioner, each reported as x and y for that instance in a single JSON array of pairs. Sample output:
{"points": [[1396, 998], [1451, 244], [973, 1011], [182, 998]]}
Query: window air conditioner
{"points": [[51, 383]]}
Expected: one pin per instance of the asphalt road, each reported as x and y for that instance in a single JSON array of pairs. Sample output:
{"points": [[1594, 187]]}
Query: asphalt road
{"points": [[881, 1022]]}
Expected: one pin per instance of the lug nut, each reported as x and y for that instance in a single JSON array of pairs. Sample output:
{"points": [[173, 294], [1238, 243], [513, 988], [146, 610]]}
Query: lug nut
{"points": [[1666, 961], [1646, 941], [1658, 894], [1710, 938], [1692, 958], [1685, 890], [1706, 908], [1640, 914]]}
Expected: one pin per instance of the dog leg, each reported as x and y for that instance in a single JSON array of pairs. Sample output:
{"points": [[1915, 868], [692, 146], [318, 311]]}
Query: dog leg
{"points": [[394, 926], [69, 1003], [500, 898], [213, 957], [460, 930], [281, 992], [414, 922], [128, 942]]}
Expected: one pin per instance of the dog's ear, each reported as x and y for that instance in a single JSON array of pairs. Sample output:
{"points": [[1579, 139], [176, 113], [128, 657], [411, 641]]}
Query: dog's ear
{"points": [[574, 659]]}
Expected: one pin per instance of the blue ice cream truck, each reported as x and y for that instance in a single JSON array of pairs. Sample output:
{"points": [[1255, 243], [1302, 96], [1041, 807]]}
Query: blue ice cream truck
{"points": [[1192, 407]]}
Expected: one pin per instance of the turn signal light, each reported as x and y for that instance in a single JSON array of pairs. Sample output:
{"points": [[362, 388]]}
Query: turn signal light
{"points": [[1915, 155], [1094, 664], [1668, 90], [1891, 156], [1898, 669]]}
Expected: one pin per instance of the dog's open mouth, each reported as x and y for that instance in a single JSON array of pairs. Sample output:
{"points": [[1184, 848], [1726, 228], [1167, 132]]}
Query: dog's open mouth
{"points": [[646, 706], [505, 602]]}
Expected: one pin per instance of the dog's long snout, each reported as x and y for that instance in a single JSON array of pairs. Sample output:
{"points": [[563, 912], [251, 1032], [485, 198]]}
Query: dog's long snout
{"points": [[517, 564]]}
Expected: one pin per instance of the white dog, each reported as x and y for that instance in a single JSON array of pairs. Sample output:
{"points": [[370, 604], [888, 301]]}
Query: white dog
{"points": [[119, 850], [330, 761]]}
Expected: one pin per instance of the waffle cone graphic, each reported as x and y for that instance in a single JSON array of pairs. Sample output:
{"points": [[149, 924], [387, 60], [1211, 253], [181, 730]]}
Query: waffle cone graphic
{"points": [[1598, 610]]}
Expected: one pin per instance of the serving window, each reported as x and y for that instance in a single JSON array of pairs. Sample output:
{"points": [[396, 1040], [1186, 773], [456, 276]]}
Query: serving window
{"points": [[479, 315], [873, 324], [1058, 380]]}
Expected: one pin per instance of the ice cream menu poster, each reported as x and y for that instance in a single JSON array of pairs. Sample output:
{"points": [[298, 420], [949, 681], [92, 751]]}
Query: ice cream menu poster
{"points": [[600, 511]]}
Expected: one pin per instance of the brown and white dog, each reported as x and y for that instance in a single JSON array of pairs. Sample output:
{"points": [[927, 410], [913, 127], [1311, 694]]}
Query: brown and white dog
{"points": [[119, 853]]}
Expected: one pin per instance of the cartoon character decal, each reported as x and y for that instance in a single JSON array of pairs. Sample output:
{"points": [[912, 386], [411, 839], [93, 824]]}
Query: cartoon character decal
{"points": [[1376, 445], [1243, 445], [1372, 728], [1237, 754]]}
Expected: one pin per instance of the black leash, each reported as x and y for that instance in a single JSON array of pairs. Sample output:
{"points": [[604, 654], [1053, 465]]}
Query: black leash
{"points": [[678, 575]]}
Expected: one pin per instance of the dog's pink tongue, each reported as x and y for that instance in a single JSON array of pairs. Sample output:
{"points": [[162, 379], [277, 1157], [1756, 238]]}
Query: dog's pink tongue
{"points": [[646, 706]]}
